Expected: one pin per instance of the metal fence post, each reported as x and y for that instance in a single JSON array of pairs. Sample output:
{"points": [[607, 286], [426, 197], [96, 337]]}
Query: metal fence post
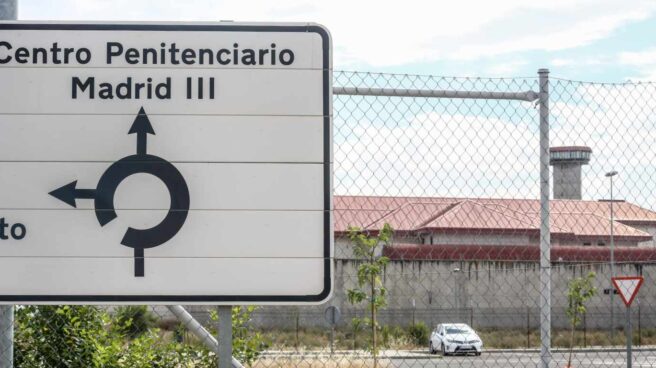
{"points": [[528, 327], [585, 331], [297, 317], [8, 11], [629, 338], [612, 260], [6, 336], [225, 336], [639, 324], [545, 235]]}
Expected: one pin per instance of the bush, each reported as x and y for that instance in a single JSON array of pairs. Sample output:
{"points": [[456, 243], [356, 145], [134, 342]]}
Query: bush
{"points": [[419, 333], [149, 350], [132, 321], [86, 337], [393, 337], [58, 336]]}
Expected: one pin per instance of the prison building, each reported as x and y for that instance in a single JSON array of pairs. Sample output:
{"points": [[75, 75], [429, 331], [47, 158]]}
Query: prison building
{"points": [[503, 229]]}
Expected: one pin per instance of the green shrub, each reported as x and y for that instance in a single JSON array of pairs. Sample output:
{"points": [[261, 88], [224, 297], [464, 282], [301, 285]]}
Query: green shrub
{"points": [[386, 335], [149, 350], [132, 321], [393, 337], [357, 325], [86, 337], [58, 336], [419, 333]]}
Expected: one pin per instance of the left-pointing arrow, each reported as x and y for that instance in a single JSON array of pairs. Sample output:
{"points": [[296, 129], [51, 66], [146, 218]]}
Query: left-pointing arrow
{"points": [[68, 193]]}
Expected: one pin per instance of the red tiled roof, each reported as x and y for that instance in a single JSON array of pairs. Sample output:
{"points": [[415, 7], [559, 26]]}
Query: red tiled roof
{"points": [[590, 224], [468, 214], [411, 214], [568, 217], [623, 211], [345, 217]]}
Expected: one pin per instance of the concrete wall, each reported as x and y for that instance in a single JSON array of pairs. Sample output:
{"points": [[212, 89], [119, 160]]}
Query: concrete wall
{"points": [[476, 239], [487, 294]]}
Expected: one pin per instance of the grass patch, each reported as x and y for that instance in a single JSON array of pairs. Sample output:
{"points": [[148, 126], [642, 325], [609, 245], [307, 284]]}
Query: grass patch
{"points": [[402, 339], [317, 338]]}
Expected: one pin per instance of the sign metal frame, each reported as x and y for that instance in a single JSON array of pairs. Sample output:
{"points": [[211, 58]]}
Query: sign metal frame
{"points": [[327, 164]]}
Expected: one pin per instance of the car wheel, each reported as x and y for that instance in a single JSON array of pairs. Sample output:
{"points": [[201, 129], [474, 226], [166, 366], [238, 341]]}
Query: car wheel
{"points": [[444, 350], [478, 353], [431, 350]]}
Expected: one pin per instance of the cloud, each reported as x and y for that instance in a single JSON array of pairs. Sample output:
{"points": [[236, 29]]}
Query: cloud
{"points": [[380, 33], [645, 57], [578, 62], [510, 67], [555, 28], [644, 61]]}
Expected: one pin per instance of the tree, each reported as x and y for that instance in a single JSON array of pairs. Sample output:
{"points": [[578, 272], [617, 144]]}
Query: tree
{"points": [[370, 285], [579, 291]]}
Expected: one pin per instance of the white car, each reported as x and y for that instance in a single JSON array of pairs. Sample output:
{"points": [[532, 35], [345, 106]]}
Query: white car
{"points": [[455, 338]]}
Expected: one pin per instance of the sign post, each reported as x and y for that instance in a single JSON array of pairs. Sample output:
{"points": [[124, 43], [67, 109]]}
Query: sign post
{"points": [[628, 287], [225, 336]]}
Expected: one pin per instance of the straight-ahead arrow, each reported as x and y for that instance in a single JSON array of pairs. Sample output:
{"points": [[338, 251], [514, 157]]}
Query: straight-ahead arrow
{"points": [[142, 127], [68, 193]]}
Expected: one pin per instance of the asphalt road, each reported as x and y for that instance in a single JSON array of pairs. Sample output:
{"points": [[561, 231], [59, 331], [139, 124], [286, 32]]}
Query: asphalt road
{"points": [[597, 357], [641, 359]]}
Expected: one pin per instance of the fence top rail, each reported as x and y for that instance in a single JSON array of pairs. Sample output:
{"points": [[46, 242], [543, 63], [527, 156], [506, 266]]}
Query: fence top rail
{"points": [[402, 92]]}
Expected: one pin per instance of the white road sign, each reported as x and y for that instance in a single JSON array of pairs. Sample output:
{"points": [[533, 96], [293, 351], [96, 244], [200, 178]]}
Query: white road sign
{"points": [[627, 287], [165, 163]]}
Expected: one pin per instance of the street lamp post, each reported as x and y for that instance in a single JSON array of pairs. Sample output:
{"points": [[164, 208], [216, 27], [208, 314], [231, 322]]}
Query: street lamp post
{"points": [[610, 175]]}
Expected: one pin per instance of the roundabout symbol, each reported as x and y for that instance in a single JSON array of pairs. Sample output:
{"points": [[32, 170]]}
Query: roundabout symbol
{"points": [[103, 195]]}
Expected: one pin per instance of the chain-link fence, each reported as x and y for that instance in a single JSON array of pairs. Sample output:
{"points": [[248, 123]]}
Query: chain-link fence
{"points": [[452, 165]]}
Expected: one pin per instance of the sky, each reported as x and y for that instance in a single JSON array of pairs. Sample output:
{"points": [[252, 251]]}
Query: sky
{"points": [[593, 40]]}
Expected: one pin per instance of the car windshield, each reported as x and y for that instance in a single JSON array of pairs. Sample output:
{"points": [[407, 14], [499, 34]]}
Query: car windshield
{"points": [[454, 331]]}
